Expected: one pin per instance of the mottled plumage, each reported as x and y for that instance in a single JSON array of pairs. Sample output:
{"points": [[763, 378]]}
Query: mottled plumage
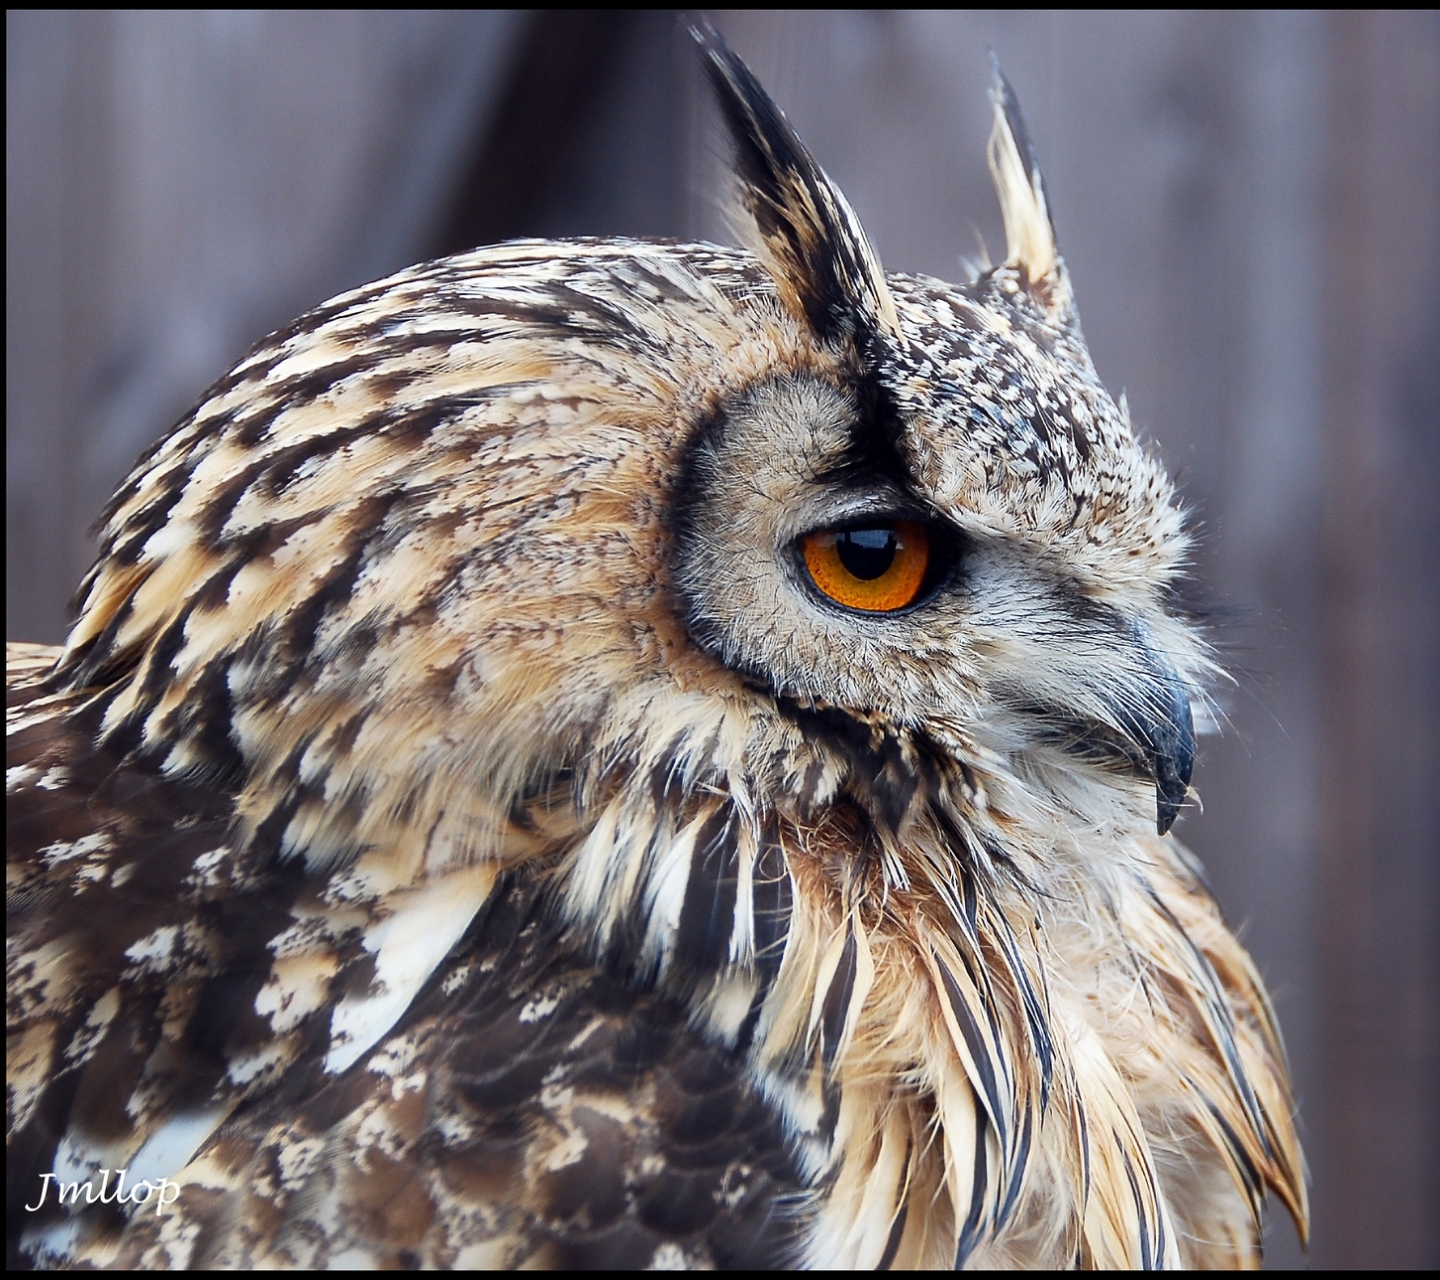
{"points": [[457, 831]]}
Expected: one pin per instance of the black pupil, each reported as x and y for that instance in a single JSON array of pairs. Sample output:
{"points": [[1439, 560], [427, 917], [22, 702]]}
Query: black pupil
{"points": [[867, 553]]}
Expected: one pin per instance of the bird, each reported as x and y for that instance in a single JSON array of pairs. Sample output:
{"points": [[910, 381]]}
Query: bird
{"points": [[627, 753]]}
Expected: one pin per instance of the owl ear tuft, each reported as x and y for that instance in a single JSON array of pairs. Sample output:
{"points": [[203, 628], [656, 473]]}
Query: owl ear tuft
{"points": [[807, 235], [1030, 244]]}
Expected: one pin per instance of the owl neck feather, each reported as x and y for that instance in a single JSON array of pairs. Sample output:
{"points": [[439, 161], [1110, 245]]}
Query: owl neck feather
{"points": [[916, 994]]}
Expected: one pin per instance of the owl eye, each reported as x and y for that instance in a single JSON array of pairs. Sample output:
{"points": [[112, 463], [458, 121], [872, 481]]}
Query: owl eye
{"points": [[875, 568]]}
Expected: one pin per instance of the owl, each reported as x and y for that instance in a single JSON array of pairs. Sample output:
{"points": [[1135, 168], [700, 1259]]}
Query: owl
{"points": [[624, 753]]}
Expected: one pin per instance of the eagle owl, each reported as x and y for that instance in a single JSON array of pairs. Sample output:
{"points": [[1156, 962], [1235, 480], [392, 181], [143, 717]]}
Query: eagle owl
{"points": [[624, 753]]}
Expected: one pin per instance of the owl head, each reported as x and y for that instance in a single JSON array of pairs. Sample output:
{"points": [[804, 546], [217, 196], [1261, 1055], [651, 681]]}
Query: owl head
{"points": [[951, 532], [507, 527]]}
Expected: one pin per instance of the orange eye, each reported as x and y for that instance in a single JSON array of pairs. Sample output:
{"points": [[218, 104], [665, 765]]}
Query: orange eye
{"points": [[877, 569]]}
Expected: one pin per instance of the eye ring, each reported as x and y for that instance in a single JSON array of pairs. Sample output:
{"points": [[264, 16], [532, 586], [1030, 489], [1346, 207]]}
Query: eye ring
{"points": [[872, 568]]}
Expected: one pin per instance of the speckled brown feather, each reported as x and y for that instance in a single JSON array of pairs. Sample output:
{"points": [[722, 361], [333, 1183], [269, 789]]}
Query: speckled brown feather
{"points": [[455, 833]]}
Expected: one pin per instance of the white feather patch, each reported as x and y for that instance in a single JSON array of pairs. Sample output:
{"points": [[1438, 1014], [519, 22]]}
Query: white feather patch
{"points": [[407, 944]]}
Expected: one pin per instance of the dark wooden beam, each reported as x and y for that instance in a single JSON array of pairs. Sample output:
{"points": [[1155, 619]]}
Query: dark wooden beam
{"points": [[1377, 1151], [558, 81]]}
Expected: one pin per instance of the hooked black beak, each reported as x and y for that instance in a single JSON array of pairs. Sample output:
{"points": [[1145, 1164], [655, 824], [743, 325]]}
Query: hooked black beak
{"points": [[1162, 727], [1172, 755], [1149, 732]]}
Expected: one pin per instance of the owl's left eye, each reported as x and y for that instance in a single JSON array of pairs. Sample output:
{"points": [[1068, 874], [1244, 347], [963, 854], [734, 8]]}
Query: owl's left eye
{"points": [[874, 568]]}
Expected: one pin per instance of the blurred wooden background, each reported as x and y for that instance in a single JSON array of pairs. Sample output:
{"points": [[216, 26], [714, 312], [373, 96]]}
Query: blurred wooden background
{"points": [[1249, 204]]}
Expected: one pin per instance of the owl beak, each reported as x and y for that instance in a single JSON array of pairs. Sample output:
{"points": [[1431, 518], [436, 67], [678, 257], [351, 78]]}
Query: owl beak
{"points": [[1172, 754], [1160, 724]]}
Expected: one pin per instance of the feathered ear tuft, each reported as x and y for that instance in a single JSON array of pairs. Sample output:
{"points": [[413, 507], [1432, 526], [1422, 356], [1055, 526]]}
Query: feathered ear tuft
{"points": [[808, 236], [1029, 234]]}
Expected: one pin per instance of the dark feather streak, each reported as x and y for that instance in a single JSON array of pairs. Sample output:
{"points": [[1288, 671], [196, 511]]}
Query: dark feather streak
{"points": [[707, 918]]}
